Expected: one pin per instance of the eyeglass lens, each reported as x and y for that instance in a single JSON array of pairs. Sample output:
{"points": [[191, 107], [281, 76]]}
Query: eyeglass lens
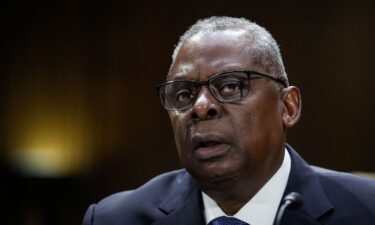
{"points": [[227, 87]]}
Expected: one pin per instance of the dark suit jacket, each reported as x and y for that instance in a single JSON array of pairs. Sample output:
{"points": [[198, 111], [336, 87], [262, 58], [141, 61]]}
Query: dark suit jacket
{"points": [[330, 198]]}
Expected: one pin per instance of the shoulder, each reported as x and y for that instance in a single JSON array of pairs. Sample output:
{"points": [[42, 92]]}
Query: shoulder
{"points": [[155, 188], [347, 187], [331, 180], [139, 206], [348, 180], [333, 197]]}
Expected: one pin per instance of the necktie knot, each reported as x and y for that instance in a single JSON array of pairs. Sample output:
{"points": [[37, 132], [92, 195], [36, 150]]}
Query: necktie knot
{"points": [[224, 220]]}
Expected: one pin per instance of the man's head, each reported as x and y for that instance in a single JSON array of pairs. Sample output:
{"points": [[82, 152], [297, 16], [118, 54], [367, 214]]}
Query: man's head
{"points": [[264, 51], [236, 144]]}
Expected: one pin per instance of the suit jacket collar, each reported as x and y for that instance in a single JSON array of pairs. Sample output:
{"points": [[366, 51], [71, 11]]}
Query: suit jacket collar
{"points": [[184, 204], [304, 180]]}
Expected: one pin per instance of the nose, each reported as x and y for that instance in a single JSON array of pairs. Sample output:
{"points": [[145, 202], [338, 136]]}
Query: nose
{"points": [[205, 106]]}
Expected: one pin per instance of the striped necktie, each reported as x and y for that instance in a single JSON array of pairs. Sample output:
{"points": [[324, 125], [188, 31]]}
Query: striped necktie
{"points": [[224, 220]]}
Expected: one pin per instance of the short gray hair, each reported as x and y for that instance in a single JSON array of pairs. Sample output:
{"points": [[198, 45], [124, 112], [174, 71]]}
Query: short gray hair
{"points": [[264, 51]]}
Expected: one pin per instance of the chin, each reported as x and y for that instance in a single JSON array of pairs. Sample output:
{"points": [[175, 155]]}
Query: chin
{"points": [[216, 175]]}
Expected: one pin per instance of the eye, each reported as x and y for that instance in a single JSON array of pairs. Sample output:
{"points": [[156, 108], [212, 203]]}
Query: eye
{"points": [[184, 95], [230, 87]]}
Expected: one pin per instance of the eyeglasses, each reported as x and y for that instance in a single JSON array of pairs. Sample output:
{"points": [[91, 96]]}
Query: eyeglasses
{"points": [[225, 87]]}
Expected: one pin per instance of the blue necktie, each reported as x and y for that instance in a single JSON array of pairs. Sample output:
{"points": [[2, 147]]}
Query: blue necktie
{"points": [[223, 220]]}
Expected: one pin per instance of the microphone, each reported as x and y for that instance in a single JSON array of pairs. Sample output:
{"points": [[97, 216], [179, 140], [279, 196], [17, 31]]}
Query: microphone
{"points": [[292, 200]]}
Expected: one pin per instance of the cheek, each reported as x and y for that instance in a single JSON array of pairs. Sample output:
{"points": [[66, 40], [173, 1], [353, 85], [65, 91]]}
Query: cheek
{"points": [[247, 126], [257, 127], [179, 129]]}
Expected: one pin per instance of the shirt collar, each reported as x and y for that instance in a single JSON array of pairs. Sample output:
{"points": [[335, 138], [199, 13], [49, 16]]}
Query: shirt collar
{"points": [[262, 208]]}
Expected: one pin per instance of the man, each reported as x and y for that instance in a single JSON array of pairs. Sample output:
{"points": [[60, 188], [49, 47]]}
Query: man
{"points": [[229, 100]]}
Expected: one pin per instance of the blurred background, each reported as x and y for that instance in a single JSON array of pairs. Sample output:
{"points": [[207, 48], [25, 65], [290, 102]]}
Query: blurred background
{"points": [[80, 118]]}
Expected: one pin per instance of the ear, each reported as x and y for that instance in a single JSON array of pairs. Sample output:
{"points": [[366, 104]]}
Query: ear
{"points": [[291, 100]]}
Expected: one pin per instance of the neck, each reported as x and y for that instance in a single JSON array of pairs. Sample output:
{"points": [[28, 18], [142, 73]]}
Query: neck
{"points": [[231, 195]]}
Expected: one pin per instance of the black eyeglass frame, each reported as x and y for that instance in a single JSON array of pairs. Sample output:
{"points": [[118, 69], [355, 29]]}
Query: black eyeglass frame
{"points": [[198, 85]]}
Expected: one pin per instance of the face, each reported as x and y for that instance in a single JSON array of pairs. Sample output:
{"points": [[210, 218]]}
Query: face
{"points": [[221, 143]]}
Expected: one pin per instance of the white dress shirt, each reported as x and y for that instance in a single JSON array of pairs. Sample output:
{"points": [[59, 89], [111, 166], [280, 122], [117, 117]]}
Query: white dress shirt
{"points": [[262, 208]]}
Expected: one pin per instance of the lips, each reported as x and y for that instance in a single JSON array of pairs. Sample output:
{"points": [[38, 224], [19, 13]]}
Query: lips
{"points": [[209, 146], [206, 144]]}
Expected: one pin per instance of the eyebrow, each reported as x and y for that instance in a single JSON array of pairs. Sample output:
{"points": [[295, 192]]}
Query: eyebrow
{"points": [[182, 79], [179, 77]]}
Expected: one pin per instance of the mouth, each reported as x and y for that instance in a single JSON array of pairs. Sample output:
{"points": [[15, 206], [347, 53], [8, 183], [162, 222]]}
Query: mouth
{"points": [[209, 147], [207, 144]]}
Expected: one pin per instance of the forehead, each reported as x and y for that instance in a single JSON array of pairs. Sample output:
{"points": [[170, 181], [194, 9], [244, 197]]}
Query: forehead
{"points": [[209, 53]]}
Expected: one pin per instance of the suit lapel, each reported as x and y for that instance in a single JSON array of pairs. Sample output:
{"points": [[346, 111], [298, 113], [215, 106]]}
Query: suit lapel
{"points": [[190, 213], [184, 204], [304, 180]]}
